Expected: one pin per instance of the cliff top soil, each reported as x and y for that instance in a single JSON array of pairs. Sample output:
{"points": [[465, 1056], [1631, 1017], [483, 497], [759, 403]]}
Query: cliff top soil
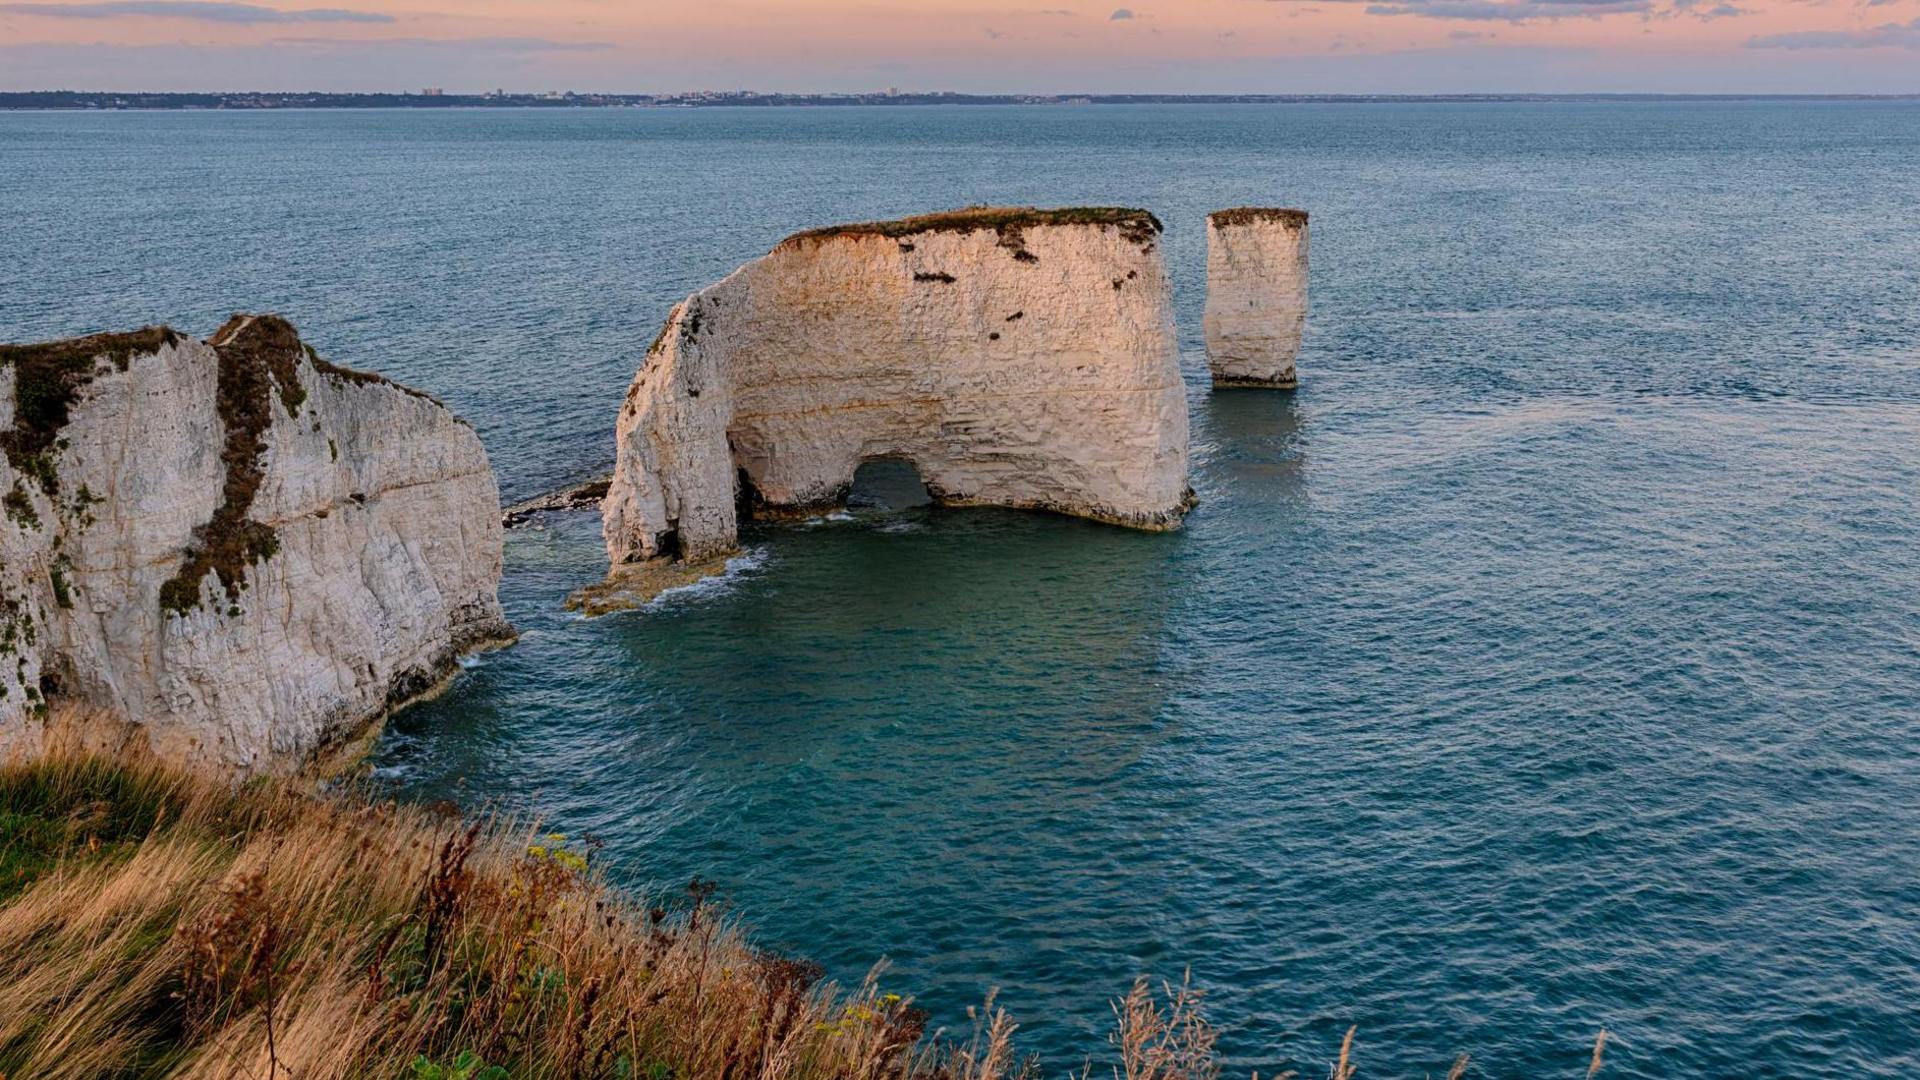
{"points": [[1247, 215], [999, 218]]}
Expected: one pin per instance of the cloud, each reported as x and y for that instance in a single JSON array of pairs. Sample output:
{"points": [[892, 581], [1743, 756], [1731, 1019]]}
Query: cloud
{"points": [[218, 11], [992, 34], [475, 44], [1890, 36], [1513, 11], [1723, 9], [1119, 14]]}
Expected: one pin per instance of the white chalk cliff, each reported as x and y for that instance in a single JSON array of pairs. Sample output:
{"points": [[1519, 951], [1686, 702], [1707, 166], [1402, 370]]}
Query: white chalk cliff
{"points": [[246, 553], [1256, 295], [1016, 357]]}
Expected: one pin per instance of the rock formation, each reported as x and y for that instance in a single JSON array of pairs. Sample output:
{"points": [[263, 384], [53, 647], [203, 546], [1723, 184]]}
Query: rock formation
{"points": [[246, 553], [1016, 357], [584, 495], [1256, 295]]}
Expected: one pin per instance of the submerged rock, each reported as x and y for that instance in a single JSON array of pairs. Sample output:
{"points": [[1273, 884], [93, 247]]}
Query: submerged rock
{"points": [[585, 495], [634, 585], [245, 552], [1015, 357], [1256, 295]]}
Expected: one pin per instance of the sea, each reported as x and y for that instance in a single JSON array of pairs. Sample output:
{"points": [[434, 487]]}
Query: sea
{"points": [[1548, 662]]}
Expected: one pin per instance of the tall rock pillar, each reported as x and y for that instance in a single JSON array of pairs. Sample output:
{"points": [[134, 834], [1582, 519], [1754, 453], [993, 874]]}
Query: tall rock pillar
{"points": [[1256, 295]]}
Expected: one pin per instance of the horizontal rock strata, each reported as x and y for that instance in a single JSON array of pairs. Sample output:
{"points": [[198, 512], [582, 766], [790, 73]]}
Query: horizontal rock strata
{"points": [[245, 552]]}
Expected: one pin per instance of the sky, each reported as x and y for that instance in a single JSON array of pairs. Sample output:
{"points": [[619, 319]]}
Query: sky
{"points": [[979, 46]]}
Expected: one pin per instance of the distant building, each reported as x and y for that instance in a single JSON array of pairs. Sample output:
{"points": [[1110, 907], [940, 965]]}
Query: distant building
{"points": [[893, 91], [433, 91]]}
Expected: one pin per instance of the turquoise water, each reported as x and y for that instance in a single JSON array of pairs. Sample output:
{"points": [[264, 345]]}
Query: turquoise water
{"points": [[1550, 660]]}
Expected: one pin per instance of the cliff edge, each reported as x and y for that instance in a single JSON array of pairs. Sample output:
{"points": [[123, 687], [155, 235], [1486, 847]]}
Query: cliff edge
{"points": [[1015, 357], [245, 552]]}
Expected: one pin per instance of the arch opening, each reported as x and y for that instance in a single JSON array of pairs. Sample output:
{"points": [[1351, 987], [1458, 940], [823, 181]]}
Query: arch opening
{"points": [[887, 483]]}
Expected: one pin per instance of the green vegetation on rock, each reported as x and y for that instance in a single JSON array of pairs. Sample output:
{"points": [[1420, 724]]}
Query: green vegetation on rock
{"points": [[48, 379], [258, 354]]}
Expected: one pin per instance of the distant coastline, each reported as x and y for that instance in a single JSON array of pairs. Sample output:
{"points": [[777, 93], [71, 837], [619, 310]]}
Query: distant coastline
{"points": [[108, 101]]}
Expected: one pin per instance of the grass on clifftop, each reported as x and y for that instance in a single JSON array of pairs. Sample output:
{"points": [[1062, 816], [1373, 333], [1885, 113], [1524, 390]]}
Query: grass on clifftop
{"points": [[991, 217], [48, 377], [156, 924], [1247, 215]]}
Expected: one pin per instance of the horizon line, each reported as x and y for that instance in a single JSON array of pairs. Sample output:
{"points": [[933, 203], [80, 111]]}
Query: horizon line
{"points": [[710, 98]]}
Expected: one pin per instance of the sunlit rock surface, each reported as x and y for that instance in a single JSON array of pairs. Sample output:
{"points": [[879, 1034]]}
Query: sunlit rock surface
{"points": [[1256, 295], [1016, 357], [246, 553]]}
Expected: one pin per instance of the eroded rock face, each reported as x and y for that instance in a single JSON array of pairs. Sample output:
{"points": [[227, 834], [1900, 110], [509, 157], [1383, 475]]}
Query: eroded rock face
{"points": [[244, 551], [1019, 358], [1256, 295]]}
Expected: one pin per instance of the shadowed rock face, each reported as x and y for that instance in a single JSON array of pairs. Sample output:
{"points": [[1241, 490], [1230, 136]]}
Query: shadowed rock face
{"points": [[242, 550], [1019, 358], [1256, 295]]}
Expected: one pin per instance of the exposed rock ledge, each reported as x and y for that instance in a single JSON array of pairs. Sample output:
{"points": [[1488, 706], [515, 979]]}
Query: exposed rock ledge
{"points": [[585, 495], [1016, 357], [1256, 295], [247, 553]]}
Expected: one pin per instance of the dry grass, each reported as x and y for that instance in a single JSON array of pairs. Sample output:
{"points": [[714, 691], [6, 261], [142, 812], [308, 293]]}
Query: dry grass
{"points": [[1599, 1049], [156, 925], [167, 927]]}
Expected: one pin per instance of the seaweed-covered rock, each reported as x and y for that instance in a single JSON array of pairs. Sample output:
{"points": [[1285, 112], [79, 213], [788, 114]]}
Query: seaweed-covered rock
{"points": [[245, 552]]}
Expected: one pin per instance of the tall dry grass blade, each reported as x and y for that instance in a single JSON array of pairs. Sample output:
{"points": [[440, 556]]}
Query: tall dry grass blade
{"points": [[1599, 1048], [988, 1053], [1174, 1043], [1341, 1069]]}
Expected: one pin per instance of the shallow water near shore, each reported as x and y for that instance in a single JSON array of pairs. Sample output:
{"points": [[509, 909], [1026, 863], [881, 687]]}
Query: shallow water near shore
{"points": [[1549, 660]]}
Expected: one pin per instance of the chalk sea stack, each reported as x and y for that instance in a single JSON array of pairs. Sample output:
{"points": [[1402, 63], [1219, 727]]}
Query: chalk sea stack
{"points": [[1256, 295], [1015, 357], [243, 552]]}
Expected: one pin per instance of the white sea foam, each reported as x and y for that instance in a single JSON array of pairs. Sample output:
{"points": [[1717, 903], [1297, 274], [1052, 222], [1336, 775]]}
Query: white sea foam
{"points": [[738, 568], [827, 519]]}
